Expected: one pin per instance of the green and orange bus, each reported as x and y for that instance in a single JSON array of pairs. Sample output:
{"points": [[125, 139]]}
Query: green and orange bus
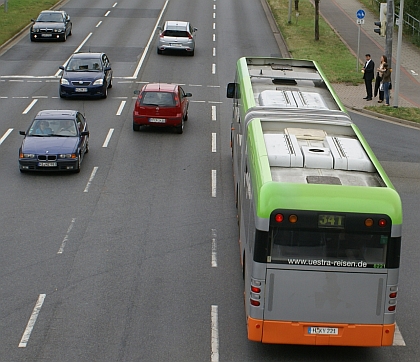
{"points": [[319, 220]]}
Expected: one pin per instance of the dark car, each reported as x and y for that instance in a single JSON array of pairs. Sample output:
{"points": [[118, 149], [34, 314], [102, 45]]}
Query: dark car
{"points": [[56, 140], [51, 25], [87, 75], [161, 105]]}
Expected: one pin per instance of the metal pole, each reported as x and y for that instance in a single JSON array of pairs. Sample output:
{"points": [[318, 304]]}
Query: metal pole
{"points": [[389, 31], [5, 6], [289, 19], [398, 65], [358, 50]]}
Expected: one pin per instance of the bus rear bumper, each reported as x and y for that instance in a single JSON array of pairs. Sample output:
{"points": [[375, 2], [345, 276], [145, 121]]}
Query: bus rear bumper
{"points": [[363, 335]]}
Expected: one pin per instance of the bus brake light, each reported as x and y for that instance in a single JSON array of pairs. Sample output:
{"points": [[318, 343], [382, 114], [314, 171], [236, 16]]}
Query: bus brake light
{"points": [[279, 218], [255, 303], [382, 223], [255, 290], [393, 295], [391, 308]]}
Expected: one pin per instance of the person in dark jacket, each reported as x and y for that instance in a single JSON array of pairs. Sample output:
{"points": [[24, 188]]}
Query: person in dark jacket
{"points": [[386, 81], [368, 75], [378, 80]]}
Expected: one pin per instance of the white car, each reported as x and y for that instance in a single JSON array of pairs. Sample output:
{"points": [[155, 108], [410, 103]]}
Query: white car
{"points": [[177, 36]]}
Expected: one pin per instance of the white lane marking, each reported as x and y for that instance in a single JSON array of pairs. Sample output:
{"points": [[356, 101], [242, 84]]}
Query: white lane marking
{"points": [[214, 334], [34, 81], [215, 102], [9, 131], [213, 68], [214, 26], [115, 4], [121, 107], [43, 97], [398, 338], [28, 108], [108, 137], [214, 37], [213, 183], [146, 49], [15, 80], [213, 86], [413, 72], [107, 13], [99, 24], [195, 85], [213, 113], [213, 142], [214, 52], [66, 237], [213, 248], [214, 15], [30, 326], [92, 175], [77, 49], [214, 7]]}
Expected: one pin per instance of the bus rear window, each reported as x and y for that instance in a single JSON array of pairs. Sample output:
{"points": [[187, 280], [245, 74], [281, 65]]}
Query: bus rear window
{"points": [[328, 248]]}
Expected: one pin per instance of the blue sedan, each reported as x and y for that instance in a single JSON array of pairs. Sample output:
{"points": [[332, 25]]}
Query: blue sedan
{"points": [[56, 140]]}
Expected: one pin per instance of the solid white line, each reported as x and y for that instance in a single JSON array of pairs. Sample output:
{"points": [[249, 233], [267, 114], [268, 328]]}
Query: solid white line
{"points": [[213, 142], [32, 320], [213, 68], [213, 183], [108, 137], [9, 131], [107, 13], [98, 25], [66, 237], [213, 113], [28, 108], [398, 338], [214, 334], [213, 248], [121, 107], [92, 175], [136, 72]]}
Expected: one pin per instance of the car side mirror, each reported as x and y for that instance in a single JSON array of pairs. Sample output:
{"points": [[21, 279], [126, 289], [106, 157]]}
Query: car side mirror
{"points": [[188, 94], [85, 133], [106, 69], [136, 91], [159, 27], [33, 20], [195, 29], [61, 67], [231, 90], [22, 133], [68, 18]]}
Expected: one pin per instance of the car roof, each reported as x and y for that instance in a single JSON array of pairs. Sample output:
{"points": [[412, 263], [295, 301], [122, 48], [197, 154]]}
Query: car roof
{"points": [[56, 113], [52, 12], [163, 87], [87, 55], [176, 24]]}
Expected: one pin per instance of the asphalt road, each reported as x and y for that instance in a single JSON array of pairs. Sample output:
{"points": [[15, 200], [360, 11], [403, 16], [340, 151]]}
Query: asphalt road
{"points": [[136, 258]]}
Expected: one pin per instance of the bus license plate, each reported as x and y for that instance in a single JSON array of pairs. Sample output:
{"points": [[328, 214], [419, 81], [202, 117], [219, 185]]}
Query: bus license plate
{"points": [[157, 120], [47, 164], [322, 330]]}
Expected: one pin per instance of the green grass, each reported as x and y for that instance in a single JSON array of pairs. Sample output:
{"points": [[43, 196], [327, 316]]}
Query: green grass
{"points": [[300, 39], [19, 14]]}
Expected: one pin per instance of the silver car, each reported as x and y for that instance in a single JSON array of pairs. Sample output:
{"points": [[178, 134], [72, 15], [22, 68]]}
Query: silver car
{"points": [[176, 35]]}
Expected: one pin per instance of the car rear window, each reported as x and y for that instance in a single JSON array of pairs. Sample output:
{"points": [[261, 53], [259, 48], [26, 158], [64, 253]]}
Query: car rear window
{"points": [[157, 99], [176, 33]]}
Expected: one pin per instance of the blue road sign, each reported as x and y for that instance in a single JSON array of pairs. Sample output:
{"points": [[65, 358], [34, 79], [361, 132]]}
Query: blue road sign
{"points": [[360, 14]]}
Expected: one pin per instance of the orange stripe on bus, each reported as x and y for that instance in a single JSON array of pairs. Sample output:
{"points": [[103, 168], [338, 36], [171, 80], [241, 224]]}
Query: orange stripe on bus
{"points": [[368, 335]]}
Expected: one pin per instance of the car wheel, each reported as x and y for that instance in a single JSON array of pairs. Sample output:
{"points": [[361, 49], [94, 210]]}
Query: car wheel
{"points": [[62, 95], [136, 127], [87, 148], [105, 92], [70, 31], [110, 83], [159, 51], [180, 129], [64, 36], [23, 171], [191, 53], [77, 170], [186, 117], [32, 38]]}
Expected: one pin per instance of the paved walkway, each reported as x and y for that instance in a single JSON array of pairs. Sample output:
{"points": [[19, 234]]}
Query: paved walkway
{"points": [[341, 15]]}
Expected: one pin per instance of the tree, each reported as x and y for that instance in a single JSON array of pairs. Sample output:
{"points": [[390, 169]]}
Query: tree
{"points": [[316, 19]]}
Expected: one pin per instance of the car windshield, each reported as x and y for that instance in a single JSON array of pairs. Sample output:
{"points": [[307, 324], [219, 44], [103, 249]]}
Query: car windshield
{"points": [[84, 65], [47, 128], [158, 99], [50, 18], [176, 33]]}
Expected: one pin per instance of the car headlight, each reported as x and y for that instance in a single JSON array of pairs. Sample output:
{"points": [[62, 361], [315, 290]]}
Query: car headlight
{"points": [[98, 82], [27, 155], [58, 30], [64, 81], [67, 155]]}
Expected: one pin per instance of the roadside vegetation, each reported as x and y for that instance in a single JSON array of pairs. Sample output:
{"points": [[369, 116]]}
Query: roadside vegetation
{"points": [[19, 14], [335, 59]]}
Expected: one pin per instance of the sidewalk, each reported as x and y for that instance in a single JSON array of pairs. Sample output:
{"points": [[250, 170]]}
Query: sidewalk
{"points": [[341, 15]]}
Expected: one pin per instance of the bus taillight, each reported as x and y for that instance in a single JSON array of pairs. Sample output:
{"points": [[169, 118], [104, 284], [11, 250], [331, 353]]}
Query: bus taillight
{"points": [[255, 303], [255, 294], [255, 290], [279, 217], [382, 223], [293, 218], [368, 222], [392, 308], [393, 295]]}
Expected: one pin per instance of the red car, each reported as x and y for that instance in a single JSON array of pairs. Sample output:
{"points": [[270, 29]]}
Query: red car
{"points": [[161, 105]]}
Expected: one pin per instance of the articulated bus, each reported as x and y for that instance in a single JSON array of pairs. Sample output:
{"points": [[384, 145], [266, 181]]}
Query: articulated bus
{"points": [[319, 220]]}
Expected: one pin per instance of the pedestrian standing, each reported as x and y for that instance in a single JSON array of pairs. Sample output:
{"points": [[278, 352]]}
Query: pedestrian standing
{"points": [[378, 87], [368, 75], [386, 81]]}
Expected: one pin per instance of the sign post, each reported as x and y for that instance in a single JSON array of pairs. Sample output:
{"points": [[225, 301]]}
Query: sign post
{"points": [[360, 20]]}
